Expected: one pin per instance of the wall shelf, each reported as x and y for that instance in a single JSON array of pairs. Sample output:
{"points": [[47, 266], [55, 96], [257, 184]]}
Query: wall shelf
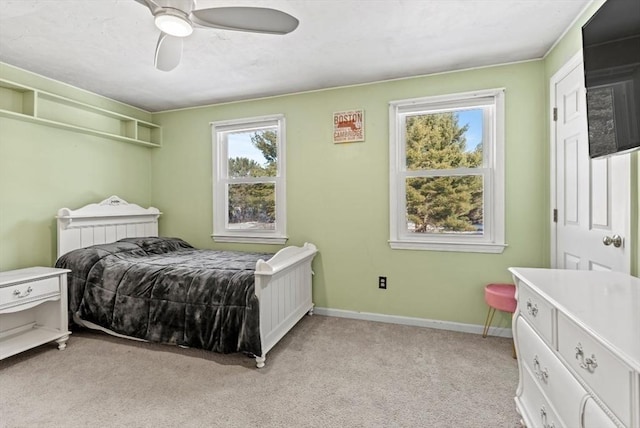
{"points": [[32, 105]]}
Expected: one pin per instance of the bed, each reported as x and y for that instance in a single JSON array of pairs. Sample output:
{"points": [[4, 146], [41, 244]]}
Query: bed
{"points": [[129, 282]]}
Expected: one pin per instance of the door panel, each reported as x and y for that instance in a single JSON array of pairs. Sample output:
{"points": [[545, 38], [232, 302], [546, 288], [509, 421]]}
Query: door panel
{"points": [[592, 196], [571, 167]]}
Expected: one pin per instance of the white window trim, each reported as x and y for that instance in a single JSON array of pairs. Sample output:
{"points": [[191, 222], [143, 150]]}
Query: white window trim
{"points": [[220, 182], [493, 239]]}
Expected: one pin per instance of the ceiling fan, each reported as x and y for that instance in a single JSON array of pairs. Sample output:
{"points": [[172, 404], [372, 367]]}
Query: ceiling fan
{"points": [[176, 20]]}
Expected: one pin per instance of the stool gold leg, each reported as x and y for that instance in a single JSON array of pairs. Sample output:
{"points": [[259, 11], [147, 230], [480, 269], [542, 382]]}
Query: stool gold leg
{"points": [[487, 323]]}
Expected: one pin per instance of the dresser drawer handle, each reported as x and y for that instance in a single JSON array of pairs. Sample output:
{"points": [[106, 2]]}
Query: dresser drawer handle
{"points": [[589, 364], [543, 416], [542, 374], [19, 293], [532, 308]]}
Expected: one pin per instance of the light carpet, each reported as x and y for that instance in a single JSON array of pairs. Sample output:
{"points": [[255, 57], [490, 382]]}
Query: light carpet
{"points": [[327, 372]]}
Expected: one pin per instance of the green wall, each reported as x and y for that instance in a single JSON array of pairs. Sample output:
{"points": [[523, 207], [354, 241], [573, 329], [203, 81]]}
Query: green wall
{"points": [[338, 194], [43, 169]]}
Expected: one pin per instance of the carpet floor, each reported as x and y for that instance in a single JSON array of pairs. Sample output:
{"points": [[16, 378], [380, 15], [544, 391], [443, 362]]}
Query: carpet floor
{"points": [[327, 372]]}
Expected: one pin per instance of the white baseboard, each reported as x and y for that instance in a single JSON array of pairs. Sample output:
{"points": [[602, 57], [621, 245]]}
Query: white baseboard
{"points": [[419, 322]]}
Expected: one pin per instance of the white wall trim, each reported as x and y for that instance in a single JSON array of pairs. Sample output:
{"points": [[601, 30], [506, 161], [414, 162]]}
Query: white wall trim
{"points": [[573, 62], [492, 240], [222, 232], [569, 27], [355, 85], [418, 322]]}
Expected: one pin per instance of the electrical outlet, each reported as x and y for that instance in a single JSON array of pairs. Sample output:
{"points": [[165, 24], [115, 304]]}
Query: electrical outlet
{"points": [[382, 282]]}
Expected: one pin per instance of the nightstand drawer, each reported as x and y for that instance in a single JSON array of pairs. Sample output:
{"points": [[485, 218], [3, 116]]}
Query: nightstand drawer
{"points": [[33, 309], [597, 367], [27, 292], [536, 311]]}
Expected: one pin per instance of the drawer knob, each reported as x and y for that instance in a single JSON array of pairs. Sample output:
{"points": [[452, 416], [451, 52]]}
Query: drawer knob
{"points": [[532, 308], [541, 373], [19, 294], [543, 416], [589, 364]]}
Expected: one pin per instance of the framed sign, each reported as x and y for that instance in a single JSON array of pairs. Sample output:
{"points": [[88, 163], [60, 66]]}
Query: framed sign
{"points": [[348, 126]]}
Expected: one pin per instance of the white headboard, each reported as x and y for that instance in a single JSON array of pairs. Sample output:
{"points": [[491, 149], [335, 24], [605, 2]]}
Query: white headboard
{"points": [[104, 222]]}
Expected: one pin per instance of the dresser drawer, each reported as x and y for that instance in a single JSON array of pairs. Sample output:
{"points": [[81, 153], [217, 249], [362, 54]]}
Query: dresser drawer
{"points": [[551, 376], [607, 375], [536, 311], [19, 294], [535, 409], [594, 417]]}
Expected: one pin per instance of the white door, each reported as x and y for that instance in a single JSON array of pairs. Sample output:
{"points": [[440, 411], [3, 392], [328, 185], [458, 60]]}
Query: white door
{"points": [[591, 196]]}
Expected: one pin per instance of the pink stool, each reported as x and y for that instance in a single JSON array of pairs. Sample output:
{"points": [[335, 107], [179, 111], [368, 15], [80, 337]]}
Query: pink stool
{"points": [[500, 297]]}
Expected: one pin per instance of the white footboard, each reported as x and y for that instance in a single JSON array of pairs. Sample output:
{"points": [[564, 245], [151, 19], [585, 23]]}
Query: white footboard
{"points": [[283, 288]]}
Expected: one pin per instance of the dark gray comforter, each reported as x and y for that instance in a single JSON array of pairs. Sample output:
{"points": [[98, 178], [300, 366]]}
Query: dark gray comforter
{"points": [[164, 290]]}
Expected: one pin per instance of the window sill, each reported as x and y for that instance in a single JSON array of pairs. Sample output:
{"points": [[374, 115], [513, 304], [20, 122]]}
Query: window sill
{"points": [[449, 246], [275, 240]]}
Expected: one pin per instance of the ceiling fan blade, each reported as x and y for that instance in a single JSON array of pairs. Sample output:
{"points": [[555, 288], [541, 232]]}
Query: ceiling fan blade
{"points": [[251, 19], [153, 7], [168, 52]]}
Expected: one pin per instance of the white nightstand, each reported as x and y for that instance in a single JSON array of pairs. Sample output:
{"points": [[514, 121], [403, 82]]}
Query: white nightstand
{"points": [[33, 309]]}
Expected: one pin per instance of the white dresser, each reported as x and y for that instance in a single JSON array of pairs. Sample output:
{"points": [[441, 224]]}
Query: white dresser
{"points": [[577, 336], [33, 309]]}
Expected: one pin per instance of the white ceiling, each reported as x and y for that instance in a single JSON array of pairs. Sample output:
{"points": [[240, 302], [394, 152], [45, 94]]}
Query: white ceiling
{"points": [[107, 46]]}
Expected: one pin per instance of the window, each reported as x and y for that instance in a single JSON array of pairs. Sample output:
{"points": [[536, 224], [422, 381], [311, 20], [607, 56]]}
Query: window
{"points": [[249, 180], [447, 172]]}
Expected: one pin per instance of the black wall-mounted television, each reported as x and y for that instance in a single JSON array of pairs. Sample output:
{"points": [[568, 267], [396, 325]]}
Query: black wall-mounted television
{"points": [[611, 52]]}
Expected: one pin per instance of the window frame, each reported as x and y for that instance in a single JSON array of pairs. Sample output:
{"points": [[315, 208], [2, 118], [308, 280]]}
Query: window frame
{"points": [[492, 171], [221, 181]]}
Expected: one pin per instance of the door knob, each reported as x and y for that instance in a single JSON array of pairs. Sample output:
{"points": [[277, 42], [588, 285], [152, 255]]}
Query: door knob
{"points": [[616, 240]]}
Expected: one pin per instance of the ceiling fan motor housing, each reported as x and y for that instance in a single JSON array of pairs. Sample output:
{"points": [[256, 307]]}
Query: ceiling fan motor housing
{"points": [[172, 17]]}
